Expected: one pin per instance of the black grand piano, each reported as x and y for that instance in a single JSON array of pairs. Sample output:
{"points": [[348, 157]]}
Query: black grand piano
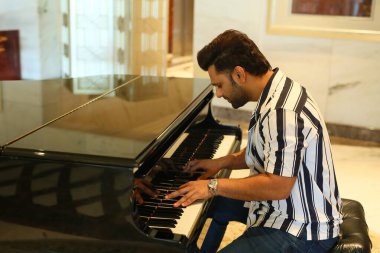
{"points": [[72, 150]]}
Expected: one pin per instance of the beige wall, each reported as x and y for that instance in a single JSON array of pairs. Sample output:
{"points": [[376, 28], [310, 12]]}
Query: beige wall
{"points": [[342, 74]]}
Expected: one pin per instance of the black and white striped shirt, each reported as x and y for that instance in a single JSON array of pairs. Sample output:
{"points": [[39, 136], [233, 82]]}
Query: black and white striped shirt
{"points": [[288, 137]]}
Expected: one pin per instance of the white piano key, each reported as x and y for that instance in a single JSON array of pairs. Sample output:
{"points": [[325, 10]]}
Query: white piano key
{"points": [[185, 224], [225, 147]]}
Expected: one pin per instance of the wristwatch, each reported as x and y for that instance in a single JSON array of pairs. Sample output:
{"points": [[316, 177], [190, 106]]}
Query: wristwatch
{"points": [[212, 186]]}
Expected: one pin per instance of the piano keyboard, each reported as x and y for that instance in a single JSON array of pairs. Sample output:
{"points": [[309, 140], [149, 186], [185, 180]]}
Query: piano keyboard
{"points": [[158, 213]]}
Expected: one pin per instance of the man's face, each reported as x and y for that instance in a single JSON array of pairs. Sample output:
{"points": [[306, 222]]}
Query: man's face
{"points": [[227, 88]]}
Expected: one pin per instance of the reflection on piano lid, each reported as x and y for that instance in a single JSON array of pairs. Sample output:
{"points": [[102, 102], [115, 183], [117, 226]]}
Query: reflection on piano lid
{"points": [[118, 130], [148, 88], [94, 85], [26, 105], [66, 182]]}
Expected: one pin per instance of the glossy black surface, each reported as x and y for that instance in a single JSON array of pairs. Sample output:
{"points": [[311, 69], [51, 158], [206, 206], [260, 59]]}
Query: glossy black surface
{"points": [[120, 125], [84, 200], [28, 104], [68, 152], [62, 207]]}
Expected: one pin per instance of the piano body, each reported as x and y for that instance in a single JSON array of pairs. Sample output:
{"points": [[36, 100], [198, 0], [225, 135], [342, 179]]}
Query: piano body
{"points": [[71, 150]]}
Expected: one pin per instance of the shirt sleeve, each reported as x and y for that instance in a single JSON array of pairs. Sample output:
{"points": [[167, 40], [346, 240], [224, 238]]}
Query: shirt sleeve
{"points": [[283, 134]]}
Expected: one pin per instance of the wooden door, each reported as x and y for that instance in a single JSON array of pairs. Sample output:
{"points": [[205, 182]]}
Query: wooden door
{"points": [[9, 56]]}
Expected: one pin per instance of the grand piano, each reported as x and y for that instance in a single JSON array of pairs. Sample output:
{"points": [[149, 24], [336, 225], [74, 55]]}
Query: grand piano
{"points": [[72, 151]]}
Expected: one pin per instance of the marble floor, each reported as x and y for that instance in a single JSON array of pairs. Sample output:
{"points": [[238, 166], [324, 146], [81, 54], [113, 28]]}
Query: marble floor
{"points": [[357, 167]]}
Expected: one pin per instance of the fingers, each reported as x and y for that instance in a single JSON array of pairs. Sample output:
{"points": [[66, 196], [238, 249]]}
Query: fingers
{"points": [[142, 186], [139, 198], [187, 197], [146, 187], [185, 200], [207, 166], [150, 191], [190, 192], [191, 166], [167, 163], [183, 189]]}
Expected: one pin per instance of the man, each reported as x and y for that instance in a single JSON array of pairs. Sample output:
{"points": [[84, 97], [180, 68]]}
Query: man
{"points": [[294, 203]]}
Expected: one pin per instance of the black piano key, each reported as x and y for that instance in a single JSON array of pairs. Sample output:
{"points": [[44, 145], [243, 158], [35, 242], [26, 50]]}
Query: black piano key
{"points": [[160, 213], [160, 208], [167, 208], [164, 233], [161, 222], [170, 205], [146, 207], [166, 215], [162, 201], [145, 213], [156, 221]]}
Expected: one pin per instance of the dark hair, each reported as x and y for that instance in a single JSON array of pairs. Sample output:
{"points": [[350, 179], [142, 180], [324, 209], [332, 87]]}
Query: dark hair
{"points": [[230, 49]]}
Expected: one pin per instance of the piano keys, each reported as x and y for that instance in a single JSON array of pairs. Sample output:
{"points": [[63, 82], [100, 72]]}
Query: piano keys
{"points": [[197, 145], [67, 168]]}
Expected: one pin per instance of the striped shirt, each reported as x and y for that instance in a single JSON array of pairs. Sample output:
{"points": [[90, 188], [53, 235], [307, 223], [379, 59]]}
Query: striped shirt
{"points": [[288, 137]]}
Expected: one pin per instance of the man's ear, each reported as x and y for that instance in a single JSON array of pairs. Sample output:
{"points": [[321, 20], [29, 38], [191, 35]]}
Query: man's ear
{"points": [[239, 74]]}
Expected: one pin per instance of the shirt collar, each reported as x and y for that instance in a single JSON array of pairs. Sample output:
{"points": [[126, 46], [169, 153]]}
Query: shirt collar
{"points": [[267, 91]]}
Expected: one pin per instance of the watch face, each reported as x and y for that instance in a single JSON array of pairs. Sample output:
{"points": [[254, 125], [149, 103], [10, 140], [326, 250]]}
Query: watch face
{"points": [[212, 184]]}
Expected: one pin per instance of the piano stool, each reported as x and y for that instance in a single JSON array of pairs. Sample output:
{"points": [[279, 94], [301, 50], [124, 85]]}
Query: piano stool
{"points": [[354, 236]]}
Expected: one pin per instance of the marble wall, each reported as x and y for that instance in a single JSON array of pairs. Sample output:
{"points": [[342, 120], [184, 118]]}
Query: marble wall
{"points": [[341, 74], [39, 37]]}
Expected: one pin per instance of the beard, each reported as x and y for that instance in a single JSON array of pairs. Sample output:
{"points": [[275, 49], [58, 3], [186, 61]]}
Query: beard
{"points": [[237, 103], [237, 98]]}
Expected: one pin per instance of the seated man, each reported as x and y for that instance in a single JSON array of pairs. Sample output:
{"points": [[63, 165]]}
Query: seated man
{"points": [[294, 202]]}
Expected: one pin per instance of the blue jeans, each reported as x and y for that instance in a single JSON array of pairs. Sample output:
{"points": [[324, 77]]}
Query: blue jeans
{"points": [[222, 212], [267, 240]]}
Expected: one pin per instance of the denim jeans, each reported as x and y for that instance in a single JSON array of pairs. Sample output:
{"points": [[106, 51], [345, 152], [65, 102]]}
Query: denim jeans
{"points": [[266, 240], [222, 212]]}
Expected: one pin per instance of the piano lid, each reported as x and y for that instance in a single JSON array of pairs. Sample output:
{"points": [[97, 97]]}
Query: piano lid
{"points": [[26, 105], [120, 127]]}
